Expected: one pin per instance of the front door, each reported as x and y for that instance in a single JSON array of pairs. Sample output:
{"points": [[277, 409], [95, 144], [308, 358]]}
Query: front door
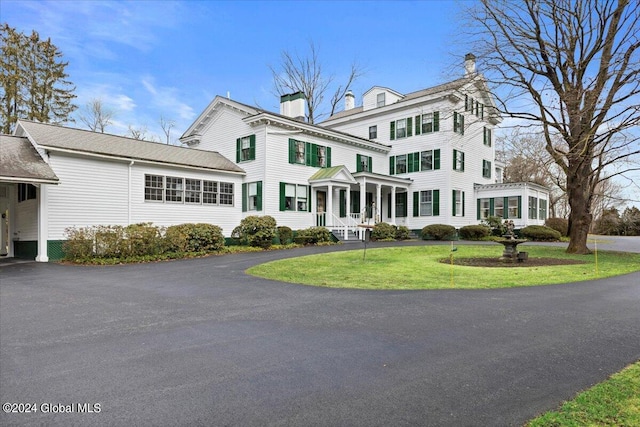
{"points": [[321, 204]]}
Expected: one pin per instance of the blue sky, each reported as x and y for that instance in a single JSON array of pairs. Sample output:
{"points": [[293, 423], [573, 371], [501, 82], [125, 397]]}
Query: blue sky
{"points": [[147, 59], [150, 59]]}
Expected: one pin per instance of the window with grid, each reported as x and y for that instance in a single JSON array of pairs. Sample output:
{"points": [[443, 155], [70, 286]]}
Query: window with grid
{"points": [[401, 163], [499, 207], [380, 99], [226, 193], [153, 187], [192, 190], [533, 207], [458, 200], [514, 207], [426, 203], [210, 192], [426, 160], [458, 161], [458, 123], [174, 191], [486, 169], [401, 128], [485, 208]]}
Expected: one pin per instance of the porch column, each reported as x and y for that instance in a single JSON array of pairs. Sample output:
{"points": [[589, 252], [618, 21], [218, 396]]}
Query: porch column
{"points": [[393, 205], [348, 202], [43, 223], [377, 215], [329, 212], [363, 198], [314, 205]]}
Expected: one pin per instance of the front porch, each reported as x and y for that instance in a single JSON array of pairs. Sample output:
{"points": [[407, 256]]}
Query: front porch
{"points": [[345, 201]]}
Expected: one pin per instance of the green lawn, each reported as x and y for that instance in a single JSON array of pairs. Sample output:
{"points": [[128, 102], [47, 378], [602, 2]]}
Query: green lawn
{"points": [[615, 402], [418, 267]]}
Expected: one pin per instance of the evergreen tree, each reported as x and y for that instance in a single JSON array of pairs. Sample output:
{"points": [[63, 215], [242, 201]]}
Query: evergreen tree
{"points": [[33, 83]]}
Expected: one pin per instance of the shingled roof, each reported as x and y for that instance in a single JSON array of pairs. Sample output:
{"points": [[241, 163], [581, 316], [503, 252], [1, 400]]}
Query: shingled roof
{"points": [[20, 162], [84, 141]]}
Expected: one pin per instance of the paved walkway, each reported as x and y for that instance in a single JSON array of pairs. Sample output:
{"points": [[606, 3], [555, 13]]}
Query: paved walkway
{"points": [[198, 342]]}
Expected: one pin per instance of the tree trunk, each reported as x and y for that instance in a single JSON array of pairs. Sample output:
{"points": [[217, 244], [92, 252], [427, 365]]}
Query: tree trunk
{"points": [[580, 214]]}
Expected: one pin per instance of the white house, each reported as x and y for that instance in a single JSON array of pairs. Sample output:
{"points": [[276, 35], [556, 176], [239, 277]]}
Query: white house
{"points": [[52, 178], [414, 159]]}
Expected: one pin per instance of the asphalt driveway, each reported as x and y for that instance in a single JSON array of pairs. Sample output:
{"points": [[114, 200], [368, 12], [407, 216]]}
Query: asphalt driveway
{"points": [[198, 342]]}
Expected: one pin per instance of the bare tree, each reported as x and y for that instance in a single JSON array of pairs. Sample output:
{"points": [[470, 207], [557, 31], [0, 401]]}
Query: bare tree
{"points": [[96, 117], [572, 68], [140, 133], [296, 73], [166, 125]]}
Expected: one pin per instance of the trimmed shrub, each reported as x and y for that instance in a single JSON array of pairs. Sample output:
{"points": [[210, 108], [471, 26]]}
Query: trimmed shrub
{"points": [[200, 237], [561, 225], [258, 231], [285, 235], [312, 236], [402, 233], [438, 232], [383, 231], [143, 239], [540, 233], [79, 243], [474, 232]]}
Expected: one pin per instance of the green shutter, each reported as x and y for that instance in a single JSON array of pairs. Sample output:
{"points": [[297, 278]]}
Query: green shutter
{"points": [[409, 126], [478, 208], [484, 135], [416, 161], [259, 196], [436, 121], [343, 203], [389, 205], [418, 125], [405, 200], [283, 201], [505, 207], [392, 131], [410, 162], [308, 198], [392, 165], [328, 153], [252, 147], [455, 121], [519, 206], [453, 203], [370, 164], [238, 148], [416, 203], [462, 161], [358, 163], [244, 197], [463, 203], [436, 159], [454, 159], [436, 202], [312, 157], [355, 202], [292, 150], [461, 124], [492, 207], [482, 111]]}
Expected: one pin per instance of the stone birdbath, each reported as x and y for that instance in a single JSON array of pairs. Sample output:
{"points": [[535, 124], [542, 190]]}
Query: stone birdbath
{"points": [[510, 243]]}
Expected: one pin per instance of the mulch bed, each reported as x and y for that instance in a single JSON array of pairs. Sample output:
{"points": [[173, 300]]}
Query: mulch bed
{"points": [[495, 262]]}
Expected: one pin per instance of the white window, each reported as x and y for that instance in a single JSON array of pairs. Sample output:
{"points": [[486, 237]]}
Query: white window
{"points": [[401, 163], [458, 161], [300, 152], [294, 198], [210, 192], [485, 206], [533, 207], [226, 193], [427, 123], [322, 159], [426, 203], [513, 207], [499, 207], [153, 187], [458, 209], [192, 190], [401, 128], [380, 99], [426, 160], [174, 191], [301, 194], [373, 132], [252, 196], [486, 169], [245, 149], [543, 210], [458, 123]]}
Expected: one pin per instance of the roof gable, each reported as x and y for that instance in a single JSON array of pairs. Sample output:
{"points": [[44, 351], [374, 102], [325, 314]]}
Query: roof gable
{"points": [[21, 162], [335, 173]]}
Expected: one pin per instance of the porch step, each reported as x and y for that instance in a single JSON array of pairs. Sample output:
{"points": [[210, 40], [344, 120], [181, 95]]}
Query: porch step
{"points": [[339, 234]]}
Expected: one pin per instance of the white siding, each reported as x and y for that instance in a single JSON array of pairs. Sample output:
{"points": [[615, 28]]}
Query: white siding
{"points": [[97, 192], [91, 192]]}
